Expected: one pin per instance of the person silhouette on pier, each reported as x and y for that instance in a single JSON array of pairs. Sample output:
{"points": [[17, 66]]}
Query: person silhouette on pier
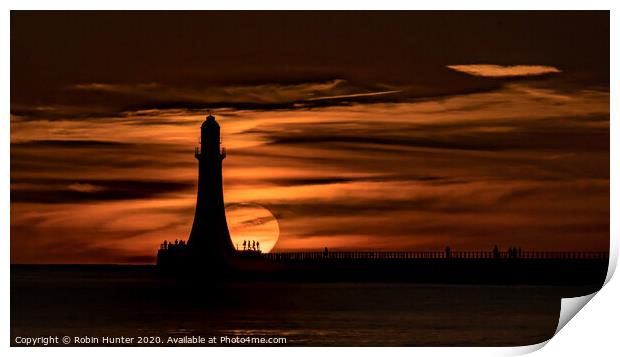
{"points": [[495, 252], [244, 243], [165, 244], [257, 245], [447, 252]]}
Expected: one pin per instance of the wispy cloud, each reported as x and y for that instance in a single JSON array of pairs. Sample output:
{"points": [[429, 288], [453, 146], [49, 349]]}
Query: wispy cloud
{"points": [[493, 70], [258, 94], [357, 95]]}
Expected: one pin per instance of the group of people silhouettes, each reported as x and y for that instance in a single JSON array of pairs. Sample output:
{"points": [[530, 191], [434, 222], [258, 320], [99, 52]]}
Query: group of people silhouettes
{"points": [[169, 245], [180, 244], [251, 245], [513, 252]]}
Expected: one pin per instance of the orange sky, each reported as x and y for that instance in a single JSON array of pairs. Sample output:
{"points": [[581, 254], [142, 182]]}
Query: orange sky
{"points": [[519, 161]]}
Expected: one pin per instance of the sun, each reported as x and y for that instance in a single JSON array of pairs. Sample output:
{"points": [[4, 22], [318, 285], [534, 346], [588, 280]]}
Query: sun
{"points": [[251, 222]]}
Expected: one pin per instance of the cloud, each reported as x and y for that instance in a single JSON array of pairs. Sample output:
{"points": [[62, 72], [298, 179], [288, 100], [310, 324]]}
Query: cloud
{"points": [[497, 71], [78, 144], [119, 88], [84, 187], [57, 191], [256, 221], [487, 139], [249, 95], [356, 95]]}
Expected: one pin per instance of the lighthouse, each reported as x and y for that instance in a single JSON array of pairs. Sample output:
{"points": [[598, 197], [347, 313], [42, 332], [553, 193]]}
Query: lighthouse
{"points": [[209, 241]]}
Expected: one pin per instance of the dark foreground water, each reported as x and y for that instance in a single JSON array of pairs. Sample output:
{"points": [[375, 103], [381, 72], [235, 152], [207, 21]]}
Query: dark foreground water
{"points": [[113, 301]]}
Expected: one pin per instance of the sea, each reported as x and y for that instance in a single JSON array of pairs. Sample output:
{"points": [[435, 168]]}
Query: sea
{"points": [[115, 305]]}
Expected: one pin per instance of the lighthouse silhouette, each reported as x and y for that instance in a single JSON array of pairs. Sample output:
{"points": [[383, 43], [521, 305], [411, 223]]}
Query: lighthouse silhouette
{"points": [[209, 241]]}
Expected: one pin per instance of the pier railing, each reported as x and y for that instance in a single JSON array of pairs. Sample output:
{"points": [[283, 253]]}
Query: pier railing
{"points": [[403, 255]]}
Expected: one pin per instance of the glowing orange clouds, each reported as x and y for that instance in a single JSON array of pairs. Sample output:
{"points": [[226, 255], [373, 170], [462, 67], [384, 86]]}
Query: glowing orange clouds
{"points": [[493, 70], [519, 166]]}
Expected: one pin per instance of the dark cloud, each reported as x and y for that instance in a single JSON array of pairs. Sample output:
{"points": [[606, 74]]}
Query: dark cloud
{"points": [[67, 191], [317, 181], [256, 221], [90, 158], [308, 181], [523, 138], [322, 208], [69, 144]]}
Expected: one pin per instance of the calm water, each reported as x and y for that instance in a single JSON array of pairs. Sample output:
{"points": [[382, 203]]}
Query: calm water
{"points": [[132, 301]]}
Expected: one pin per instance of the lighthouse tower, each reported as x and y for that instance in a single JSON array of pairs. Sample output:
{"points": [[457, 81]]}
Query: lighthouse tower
{"points": [[209, 241]]}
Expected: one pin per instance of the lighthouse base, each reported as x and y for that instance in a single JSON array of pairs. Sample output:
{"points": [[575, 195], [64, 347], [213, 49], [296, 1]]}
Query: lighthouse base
{"points": [[185, 261]]}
